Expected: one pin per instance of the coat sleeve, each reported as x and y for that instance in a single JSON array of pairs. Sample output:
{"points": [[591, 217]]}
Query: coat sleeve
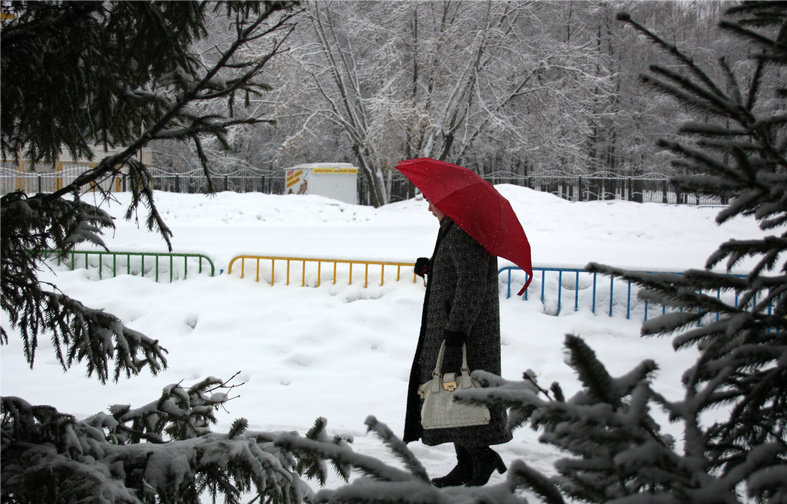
{"points": [[471, 262]]}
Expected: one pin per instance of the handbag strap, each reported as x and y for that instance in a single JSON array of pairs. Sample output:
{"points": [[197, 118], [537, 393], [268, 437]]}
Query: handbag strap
{"points": [[438, 369]]}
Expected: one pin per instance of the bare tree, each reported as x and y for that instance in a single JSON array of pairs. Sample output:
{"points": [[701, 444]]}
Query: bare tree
{"points": [[457, 81], [518, 86]]}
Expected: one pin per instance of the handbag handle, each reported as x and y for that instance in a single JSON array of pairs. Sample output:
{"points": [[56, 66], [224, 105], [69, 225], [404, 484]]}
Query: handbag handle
{"points": [[438, 369]]}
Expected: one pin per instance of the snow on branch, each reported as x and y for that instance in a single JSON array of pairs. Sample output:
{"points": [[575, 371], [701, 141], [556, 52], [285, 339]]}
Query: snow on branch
{"points": [[163, 451]]}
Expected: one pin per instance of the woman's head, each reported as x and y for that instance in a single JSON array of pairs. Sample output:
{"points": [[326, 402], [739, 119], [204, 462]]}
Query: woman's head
{"points": [[436, 212]]}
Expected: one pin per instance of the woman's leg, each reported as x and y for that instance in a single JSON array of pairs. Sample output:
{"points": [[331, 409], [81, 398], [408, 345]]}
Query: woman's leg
{"points": [[484, 460], [461, 473]]}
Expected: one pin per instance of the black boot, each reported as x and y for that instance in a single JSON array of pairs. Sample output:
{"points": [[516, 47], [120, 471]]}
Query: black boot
{"points": [[460, 474], [484, 461]]}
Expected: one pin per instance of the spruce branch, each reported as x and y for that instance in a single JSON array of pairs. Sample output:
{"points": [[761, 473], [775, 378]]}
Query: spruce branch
{"points": [[674, 51], [524, 476], [690, 94], [35, 223], [52, 457], [154, 79], [591, 372], [398, 447], [343, 455], [530, 376]]}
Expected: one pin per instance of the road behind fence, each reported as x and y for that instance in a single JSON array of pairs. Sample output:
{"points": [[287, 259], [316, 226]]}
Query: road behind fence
{"points": [[654, 188]]}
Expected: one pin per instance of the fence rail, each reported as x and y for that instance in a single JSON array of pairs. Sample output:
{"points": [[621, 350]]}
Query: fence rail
{"points": [[557, 286], [644, 188], [146, 264], [651, 187], [311, 270], [12, 178]]}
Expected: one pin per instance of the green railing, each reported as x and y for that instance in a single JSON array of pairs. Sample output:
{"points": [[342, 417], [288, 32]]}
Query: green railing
{"points": [[157, 264]]}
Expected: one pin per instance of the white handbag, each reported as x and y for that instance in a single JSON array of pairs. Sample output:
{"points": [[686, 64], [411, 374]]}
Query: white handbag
{"points": [[439, 410]]}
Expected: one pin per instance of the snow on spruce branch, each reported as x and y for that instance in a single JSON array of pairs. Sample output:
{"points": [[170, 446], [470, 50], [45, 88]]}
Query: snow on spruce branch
{"points": [[163, 451]]}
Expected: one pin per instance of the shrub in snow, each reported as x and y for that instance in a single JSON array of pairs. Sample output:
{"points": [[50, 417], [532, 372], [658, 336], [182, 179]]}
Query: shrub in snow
{"points": [[161, 452], [382, 483]]}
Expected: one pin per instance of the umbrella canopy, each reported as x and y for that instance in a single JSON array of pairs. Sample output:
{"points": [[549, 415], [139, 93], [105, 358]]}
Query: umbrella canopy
{"points": [[475, 206]]}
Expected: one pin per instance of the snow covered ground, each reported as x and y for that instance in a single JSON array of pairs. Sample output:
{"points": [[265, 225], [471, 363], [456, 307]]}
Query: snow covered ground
{"points": [[343, 351]]}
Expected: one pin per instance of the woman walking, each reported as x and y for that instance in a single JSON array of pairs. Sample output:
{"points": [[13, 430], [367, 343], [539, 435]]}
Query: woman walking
{"points": [[461, 306]]}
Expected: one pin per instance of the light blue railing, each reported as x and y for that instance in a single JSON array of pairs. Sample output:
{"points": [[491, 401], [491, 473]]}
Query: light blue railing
{"points": [[589, 290]]}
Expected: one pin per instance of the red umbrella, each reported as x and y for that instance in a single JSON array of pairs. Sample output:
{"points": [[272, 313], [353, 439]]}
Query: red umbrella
{"points": [[474, 205]]}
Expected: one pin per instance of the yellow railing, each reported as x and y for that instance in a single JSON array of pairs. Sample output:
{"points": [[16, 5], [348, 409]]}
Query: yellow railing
{"points": [[265, 264]]}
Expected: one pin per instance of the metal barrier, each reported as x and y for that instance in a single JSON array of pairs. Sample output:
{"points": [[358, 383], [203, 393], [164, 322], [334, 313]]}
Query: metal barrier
{"points": [[646, 187], [556, 285], [587, 291], [312, 262], [154, 262], [65, 172]]}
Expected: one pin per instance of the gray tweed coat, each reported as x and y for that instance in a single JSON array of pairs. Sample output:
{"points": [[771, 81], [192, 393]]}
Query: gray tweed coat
{"points": [[461, 295]]}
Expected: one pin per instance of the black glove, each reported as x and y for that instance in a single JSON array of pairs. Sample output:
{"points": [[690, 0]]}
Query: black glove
{"points": [[422, 266], [454, 339]]}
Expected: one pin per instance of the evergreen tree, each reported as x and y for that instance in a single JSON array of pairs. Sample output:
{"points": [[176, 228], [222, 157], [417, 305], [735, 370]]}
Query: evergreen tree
{"points": [[738, 149], [161, 452], [383, 483], [121, 74]]}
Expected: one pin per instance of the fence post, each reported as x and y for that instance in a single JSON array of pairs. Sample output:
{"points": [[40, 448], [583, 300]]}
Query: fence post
{"points": [[579, 189], [638, 190], [59, 178], [21, 181]]}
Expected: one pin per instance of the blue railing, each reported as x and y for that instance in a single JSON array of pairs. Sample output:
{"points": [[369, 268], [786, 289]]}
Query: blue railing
{"points": [[588, 290], [574, 277]]}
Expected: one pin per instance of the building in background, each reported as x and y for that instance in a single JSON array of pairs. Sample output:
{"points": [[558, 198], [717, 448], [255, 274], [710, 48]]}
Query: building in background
{"points": [[332, 180], [23, 175]]}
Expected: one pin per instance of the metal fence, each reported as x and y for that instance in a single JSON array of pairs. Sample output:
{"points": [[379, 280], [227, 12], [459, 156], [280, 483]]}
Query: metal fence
{"points": [[309, 271], [158, 266], [268, 181], [13, 179], [246, 180], [560, 289], [643, 188], [654, 187]]}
